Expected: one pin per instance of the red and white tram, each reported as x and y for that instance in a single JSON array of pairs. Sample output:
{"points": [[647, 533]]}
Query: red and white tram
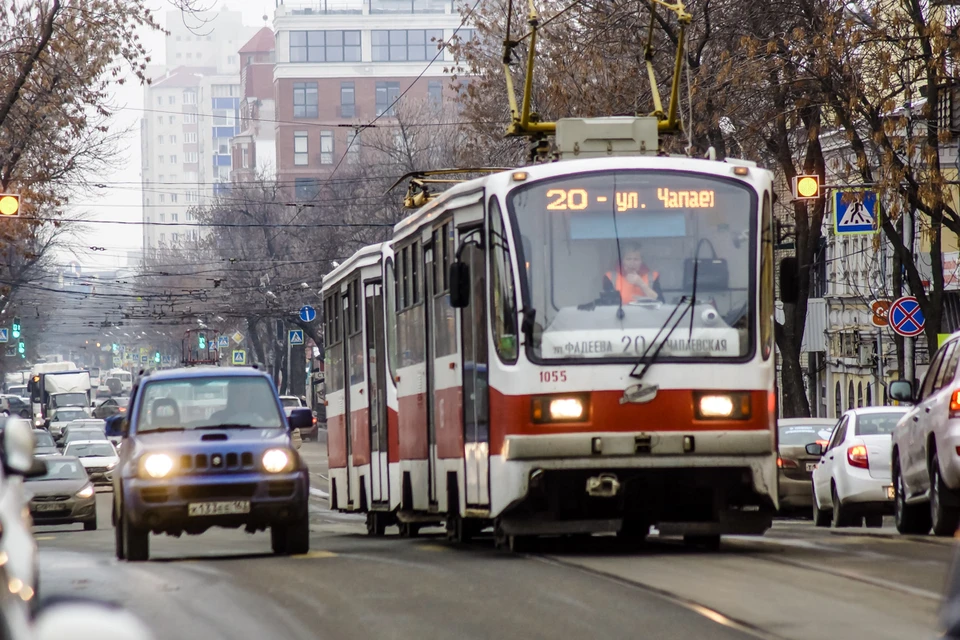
{"points": [[574, 347]]}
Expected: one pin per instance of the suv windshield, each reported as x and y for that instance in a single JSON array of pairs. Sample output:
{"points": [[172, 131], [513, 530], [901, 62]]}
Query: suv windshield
{"points": [[290, 402], [194, 403], [608, 256]]}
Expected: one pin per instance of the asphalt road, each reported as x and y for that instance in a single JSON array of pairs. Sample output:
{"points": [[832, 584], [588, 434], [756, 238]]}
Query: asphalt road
{"points": [[797, 582]]}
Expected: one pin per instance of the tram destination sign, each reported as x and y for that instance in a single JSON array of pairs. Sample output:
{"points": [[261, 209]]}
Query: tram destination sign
{"points": [[632, 344]]}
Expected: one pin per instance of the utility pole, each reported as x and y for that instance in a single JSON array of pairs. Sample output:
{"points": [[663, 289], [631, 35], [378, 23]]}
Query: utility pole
{"points": [[908, 343], [878, 393]]}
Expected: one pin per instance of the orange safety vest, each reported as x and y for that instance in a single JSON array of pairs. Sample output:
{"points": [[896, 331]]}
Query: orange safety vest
{"points": [[628, 290]]}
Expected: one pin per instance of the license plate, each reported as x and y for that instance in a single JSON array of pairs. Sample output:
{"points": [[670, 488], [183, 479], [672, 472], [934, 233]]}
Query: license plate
{"points": [[51, 506], [218, 508], [891, 494], [811, 466]]}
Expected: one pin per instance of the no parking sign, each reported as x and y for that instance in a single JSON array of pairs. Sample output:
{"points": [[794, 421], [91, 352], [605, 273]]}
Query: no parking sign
{"points": [[906, 317]]}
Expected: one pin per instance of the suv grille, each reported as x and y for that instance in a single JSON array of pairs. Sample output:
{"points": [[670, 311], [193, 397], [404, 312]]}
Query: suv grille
{"points": [[201, 462], [202, 491]]}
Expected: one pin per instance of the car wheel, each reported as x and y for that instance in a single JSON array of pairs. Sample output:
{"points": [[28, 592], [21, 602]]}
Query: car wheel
{"points": [[874, 521], [136, 541], [943, 518], [90, 525], [821, 517], [841, 514], [298, 537], [278, 539], [118, 537], [909, 518]]}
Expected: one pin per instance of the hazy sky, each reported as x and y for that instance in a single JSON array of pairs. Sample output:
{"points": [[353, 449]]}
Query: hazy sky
{"points": [[121, 201]]}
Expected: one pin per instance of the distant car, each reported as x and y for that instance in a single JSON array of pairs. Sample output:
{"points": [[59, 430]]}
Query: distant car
{"points": [[111, 386], [44, 444], [795, 465], [62, 417], [63, 495], [98, 457], [209, 447], [79, 434], [109, 407], [852, 481], [19, 390], [11, 404], [293, 402]]}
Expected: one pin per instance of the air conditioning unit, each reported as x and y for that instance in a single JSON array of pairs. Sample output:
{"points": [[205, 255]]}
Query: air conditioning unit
{"points": [[866, 355]]}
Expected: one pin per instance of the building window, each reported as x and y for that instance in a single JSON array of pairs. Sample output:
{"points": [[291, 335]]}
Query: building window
{"points": [[159, 139], [189, 215], [163, 216], [231, 59], [387, 94], [189, 118], [305, 100], [415, 44], [173, 159], [245, 156], [435, 92], [324, 46], [190, 138], [306, 189], [172, 100], [173, 139], [191, 157], [190, 97], [326, 147], [191, 176], [174, 217], [348, 100], [850, 404], [161, 178], [159, 100], [353, 146], [160, 159], [838, 398], [301, 156], [163, 238], [174, 237], [159, 119], [172, 119], [173, 198]]}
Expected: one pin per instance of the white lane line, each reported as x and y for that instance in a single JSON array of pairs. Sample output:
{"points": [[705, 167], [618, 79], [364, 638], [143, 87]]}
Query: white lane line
{"points": [[319, 493]]}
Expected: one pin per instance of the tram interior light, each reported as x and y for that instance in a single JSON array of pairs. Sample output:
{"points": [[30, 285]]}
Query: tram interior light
{"points": [[729, 406]]}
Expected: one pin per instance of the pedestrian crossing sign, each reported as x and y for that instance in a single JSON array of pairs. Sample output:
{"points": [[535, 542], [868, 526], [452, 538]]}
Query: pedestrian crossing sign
{"points": [[856, 213], [240, 356]]}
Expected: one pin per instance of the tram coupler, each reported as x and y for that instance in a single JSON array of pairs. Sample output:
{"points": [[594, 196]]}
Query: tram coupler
{"points": [[605, 485]]}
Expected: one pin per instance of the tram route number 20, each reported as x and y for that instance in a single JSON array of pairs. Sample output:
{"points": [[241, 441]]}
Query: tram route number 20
{"points": [[553, 376]]}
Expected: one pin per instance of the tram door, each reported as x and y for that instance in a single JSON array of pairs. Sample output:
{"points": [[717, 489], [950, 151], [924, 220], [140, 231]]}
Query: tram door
{"points": [[343, 321], [376, 388], [476, 414], [428, 292]]}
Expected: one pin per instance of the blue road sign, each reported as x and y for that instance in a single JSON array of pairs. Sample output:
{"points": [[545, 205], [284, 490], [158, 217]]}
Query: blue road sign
{"points": [[906, 317], [855, 212], [308, 313], [223, 341], [4, 335], [295, 336], [239, 356], [144, 359]]}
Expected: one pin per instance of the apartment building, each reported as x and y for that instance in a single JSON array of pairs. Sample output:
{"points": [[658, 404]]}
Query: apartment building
{"points": [[254, 148], [345, 62]]}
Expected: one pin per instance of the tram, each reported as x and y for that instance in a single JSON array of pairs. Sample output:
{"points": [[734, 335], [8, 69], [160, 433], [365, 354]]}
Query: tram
{"points": [[573, 347]]}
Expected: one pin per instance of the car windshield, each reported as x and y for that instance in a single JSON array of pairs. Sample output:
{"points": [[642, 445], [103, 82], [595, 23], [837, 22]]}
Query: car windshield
{"points": [[68, 416], [94, 450], [803, 434], [86, 424], [877, 424], [208, 402], [290, 402], [70, 400], [60, 469], [85, 434], [19, 391], [608, 257], [43, 439]]}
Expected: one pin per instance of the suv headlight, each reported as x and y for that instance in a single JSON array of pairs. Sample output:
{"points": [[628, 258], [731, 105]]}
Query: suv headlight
{"points": [[276, 460], [157, 465]]}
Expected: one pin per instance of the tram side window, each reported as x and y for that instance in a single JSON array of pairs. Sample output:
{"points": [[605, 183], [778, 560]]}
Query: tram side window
{"points": [[391, 306], [333, 348], [354, 330], [766, 281], [410, 318], [504, 299], [445, 322]]}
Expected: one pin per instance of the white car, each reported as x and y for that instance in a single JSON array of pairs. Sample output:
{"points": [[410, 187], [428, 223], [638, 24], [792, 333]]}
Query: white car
{"points": [[926, 464], [98, 457], [852, 480], [62, 417]]}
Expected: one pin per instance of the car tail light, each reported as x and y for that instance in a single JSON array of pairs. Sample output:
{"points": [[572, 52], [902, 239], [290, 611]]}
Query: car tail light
{"points": [[955, 404], [786, 463], [857, 456], [823, 443]]}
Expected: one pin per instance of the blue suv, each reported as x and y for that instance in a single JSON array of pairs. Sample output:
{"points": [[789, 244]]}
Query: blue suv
{"points": [[209, 447]]}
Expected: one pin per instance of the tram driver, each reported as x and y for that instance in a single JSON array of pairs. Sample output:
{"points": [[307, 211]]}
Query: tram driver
{"points": [[633, 279]]}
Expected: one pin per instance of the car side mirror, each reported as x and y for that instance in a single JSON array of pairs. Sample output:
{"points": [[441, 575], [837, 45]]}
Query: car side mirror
{"points": [[16, 455], [814, 449], [459, 285], [902, 391], [301, 418], [37, 469]]}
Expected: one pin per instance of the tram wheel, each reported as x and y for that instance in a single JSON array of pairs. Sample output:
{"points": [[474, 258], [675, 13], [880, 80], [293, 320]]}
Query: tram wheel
{"points": [[408, 529], [376, 524], [710, 543], [521, 544]]}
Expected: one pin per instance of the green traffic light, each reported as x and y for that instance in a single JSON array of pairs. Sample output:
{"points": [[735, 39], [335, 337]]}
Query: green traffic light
{"points": [[202, 342], [156, 357]]}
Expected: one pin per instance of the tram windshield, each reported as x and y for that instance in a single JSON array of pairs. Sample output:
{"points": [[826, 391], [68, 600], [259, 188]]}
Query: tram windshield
{"points": [[610, 257]]}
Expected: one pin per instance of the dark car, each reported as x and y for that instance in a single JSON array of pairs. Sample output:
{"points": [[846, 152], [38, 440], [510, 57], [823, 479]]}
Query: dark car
{"points": [[209, 447], [63, 495], [44, 444], [109, 407]]}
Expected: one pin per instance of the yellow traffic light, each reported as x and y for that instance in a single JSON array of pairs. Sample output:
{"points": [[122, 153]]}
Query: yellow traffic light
{"points": [[9, 204], [806, 187]]}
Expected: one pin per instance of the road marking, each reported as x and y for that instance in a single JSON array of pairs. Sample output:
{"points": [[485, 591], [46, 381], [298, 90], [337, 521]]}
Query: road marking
{"points": [[41, 538], [432, 547], [311, 555], [319, 493]]}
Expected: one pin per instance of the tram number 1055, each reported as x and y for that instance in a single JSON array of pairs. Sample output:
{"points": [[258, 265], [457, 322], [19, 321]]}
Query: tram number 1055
{"points": [[553, 376]]}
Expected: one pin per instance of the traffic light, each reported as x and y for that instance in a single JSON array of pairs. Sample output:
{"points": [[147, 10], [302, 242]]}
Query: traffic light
{"points": [[156, 357], [9, 204], [21, 348], [16, 327], [806, 187], [202, 342]]}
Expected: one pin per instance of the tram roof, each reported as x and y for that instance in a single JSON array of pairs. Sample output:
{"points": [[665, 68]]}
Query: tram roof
{"points": [[364, 257]]}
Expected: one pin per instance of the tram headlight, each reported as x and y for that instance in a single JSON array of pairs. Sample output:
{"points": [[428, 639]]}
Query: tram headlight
{"points": [[722, 406], [560, 409]]}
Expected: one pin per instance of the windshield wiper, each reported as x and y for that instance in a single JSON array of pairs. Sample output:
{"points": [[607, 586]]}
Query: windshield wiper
{"points": [[226, 426]]}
